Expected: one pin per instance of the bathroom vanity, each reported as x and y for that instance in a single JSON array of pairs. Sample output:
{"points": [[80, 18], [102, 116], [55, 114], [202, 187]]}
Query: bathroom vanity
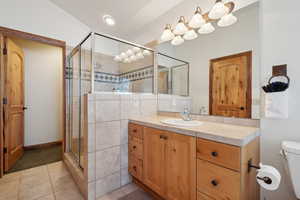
{"points": [[206, 162]]}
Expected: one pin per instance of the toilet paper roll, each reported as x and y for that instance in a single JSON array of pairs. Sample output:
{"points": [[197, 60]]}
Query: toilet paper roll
{"points": [[268, 173]]}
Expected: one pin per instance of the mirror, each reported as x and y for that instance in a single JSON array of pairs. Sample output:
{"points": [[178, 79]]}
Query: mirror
{"points": [[216, 73]]}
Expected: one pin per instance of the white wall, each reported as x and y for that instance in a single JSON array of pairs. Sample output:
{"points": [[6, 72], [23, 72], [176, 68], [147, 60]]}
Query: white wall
{"points": [[43, 18], [242, 36], [43, 92], [280, 45]]}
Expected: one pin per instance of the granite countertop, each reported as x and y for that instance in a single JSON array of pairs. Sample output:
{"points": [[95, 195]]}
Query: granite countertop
{"points": [[219, 132]]}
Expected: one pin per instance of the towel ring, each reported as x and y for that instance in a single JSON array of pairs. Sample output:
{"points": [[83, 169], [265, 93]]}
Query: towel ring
{"points": [[288, 79]]}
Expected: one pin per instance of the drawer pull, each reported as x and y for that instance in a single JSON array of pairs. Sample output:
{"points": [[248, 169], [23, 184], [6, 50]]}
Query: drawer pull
{"points": [[214, 182], [134, 168], [163, 137], [214, 154]]}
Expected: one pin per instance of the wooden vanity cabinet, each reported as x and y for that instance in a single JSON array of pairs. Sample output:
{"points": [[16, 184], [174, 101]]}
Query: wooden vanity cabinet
{"points": [[169, 164], [180, 167]]}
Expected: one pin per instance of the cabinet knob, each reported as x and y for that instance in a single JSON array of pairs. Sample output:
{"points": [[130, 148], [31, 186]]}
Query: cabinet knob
{"points": [[242, 108], [163, 137], [134, 168], [134, 130], [214, 154], [214, 182], [134, 147]]}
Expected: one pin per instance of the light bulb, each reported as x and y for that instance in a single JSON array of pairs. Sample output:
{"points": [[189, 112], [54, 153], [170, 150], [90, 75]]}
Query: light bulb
{"points": [[146, 52], [126, 60], [136, 49], [133, 58], [206, 29], [227, 20], [197, 20], [140, 55], [167, 35], [129, 52], [177, 41], [180, 28], [218, 11], [123, 55], [190, 35], [117, 59]]}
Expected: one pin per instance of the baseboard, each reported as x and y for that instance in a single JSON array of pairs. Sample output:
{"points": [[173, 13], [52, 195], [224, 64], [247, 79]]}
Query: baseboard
{"points": [[41, 146]]}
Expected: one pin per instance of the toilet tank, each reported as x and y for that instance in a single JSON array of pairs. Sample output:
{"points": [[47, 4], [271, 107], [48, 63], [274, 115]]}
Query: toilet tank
{"points": [[292, 154]]}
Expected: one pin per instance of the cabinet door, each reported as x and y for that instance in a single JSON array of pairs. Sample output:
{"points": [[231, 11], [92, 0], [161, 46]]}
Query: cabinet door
{"points": [[154, 160], [180, 167]]}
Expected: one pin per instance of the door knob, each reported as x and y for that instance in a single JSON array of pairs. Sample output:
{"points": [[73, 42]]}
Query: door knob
{"points": [[214, 182], [214, 154]]}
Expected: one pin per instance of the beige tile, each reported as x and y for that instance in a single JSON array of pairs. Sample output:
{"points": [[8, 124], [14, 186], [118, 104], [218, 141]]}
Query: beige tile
{"points": [[48, 197], [9, 190], [91, 167], [34, 171], [35, 192], [108, 134], [107, 162], [64, 183], [10, 177], [57, 170], [129, 188], [31, 180], [70, 194], [115, 195], [108, 184]]}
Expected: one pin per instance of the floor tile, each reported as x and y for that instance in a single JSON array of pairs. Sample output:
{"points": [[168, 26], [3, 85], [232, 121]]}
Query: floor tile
{"points": [[9, 190], [70, 194], [10, 177], [35, 192], [48, 197], [129, 188], [64, 183]]}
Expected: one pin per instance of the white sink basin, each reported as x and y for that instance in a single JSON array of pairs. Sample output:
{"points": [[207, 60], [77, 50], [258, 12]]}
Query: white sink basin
{"points": [[181, 122]]}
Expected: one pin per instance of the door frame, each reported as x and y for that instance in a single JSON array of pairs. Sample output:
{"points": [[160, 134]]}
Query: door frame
{"points": [[248, 54], [7, 32]]}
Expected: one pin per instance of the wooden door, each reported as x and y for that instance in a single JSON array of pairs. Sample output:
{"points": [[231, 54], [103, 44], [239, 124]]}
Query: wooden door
{"points": [[13, 107], [154, 160], [230, 86], [180, 167]]}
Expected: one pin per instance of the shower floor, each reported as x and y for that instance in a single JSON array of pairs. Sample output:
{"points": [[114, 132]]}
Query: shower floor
{"points": [[37, 157]]}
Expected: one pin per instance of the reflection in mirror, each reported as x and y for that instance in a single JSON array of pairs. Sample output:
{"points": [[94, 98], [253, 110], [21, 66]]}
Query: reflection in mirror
{"points": [[173, 84], [222, 73]]}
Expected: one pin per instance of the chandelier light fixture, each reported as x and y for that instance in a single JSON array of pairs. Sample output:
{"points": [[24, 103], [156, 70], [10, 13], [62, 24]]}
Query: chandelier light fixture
{"points": [[132, 55], [199, 23], [181, 27]]}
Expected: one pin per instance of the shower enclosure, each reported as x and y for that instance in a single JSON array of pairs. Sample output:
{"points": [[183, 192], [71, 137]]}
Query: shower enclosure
{"points": [[104, 70]]}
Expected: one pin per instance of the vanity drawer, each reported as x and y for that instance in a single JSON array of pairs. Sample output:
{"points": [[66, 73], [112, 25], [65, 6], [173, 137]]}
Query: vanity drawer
{"points": [[135, 147], [201, 196], [135, 167], [217, 182], [221, 154], [135, 130]]}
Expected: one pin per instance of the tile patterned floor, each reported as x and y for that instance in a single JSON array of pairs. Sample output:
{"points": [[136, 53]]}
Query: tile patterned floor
{"points": [[49, 182]]}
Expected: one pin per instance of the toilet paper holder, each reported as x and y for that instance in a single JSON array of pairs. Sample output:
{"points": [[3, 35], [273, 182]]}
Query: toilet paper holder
{"points": [[267, 180]]}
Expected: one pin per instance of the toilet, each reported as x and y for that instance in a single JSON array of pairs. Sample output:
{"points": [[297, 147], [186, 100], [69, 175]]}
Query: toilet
{"points": [[291, 150]]}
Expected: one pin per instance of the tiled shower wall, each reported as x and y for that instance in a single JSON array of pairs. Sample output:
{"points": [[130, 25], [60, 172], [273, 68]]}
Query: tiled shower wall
{"points": [[107, 120]]}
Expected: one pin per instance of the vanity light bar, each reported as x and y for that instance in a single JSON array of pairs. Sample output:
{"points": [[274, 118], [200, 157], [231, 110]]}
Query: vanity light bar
{"points": [[223, 12]]}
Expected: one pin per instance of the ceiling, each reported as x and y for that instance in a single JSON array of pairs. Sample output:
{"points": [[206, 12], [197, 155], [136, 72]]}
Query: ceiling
{"points": [[132, 16]]}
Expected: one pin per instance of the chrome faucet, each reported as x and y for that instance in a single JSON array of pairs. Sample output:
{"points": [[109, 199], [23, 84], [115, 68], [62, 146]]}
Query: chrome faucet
{"points": [[186, 115]]}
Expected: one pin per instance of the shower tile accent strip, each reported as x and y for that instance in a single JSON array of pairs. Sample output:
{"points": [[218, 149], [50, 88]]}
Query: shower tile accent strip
{"points": [[107, 137], [134, 75]]}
